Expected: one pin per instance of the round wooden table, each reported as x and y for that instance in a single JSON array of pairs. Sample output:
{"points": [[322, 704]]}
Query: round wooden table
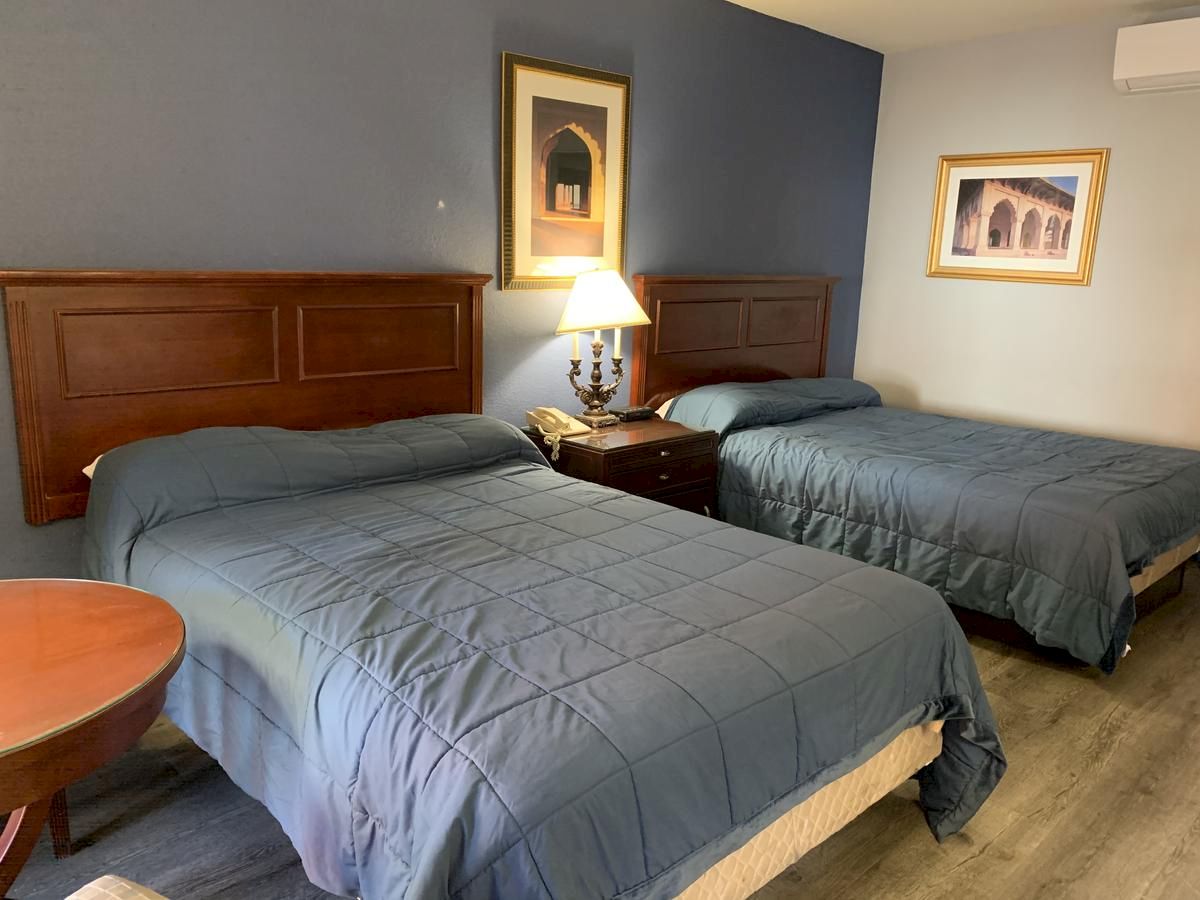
{"points": [[84, 668]]}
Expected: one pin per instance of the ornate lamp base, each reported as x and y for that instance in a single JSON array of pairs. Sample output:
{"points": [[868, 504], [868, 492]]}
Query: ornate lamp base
{"points": [[603, 420], [596, 394]]}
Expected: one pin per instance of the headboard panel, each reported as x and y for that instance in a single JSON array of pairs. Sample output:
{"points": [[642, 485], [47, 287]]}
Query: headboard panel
{"points": [[707, 329], [100, 359]]}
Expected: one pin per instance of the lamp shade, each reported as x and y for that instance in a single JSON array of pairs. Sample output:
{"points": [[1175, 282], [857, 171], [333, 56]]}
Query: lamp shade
{"points": [[599, 300]]}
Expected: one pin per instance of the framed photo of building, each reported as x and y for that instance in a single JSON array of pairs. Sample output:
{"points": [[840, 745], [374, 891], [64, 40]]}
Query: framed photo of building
{"points": [[564, 165], [1018, 216]]}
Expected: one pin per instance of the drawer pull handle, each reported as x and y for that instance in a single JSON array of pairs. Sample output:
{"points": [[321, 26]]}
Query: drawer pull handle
{"points": [[664, 477], [664, 452]]}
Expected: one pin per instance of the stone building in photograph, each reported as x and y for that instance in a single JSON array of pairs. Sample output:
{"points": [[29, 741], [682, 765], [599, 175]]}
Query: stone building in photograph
{"points": [[1027, 217]]}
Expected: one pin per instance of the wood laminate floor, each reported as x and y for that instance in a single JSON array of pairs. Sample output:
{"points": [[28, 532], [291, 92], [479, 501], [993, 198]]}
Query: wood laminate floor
{"points": [[1101, 800]]}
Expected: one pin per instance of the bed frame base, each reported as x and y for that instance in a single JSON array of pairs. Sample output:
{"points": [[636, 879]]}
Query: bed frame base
{"points": [[786, 840]]}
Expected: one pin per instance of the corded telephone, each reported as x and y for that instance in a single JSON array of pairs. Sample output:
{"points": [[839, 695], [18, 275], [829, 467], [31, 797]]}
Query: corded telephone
{"points": [[554, 424], [547, 419]]}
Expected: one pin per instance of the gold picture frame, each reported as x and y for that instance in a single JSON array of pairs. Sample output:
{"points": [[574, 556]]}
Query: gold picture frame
{"points": [[1016, 216], [564, 171]]}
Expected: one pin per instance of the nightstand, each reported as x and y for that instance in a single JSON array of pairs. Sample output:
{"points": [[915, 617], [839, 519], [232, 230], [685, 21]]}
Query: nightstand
{"points": [[653, 458]]}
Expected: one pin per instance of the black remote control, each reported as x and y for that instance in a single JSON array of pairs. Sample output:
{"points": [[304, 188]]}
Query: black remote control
{"points": [[633, 413]]}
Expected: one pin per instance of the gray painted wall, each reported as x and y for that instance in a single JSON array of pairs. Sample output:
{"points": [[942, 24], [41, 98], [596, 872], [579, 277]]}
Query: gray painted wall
{"points": [[364, 135], [1117, 358]]}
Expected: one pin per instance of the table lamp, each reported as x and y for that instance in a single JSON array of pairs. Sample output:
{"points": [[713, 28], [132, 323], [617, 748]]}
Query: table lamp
{"points": [[599, 300]]}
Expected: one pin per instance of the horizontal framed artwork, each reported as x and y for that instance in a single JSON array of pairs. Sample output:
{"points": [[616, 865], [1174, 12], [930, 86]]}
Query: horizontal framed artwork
{"points": [[564, 164], [1018, 216]]}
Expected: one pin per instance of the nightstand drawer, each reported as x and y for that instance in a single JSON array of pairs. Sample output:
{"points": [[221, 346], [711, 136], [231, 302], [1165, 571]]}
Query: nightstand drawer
{"points": [[663, 461], [668, 473], [662, 453], [697, 499]]}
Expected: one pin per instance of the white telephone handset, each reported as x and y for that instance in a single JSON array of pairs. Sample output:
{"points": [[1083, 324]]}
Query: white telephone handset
{"points": [[554, 424], [555, 421]]}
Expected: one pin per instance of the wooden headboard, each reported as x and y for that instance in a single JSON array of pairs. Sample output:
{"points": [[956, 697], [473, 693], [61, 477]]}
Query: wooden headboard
{"points": [[100, 359], [705, 329]]}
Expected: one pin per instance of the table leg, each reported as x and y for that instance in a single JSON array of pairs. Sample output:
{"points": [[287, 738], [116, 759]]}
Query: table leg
{"points": [[60, 825], [18, 839]]}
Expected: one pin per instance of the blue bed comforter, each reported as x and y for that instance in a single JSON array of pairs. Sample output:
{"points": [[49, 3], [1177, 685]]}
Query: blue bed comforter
{"points": [[449, 671], [1042, 527]]}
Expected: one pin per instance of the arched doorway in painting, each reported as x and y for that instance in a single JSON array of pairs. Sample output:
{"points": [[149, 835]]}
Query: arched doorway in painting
{"points": [[1053, 232], [1031, 230], [1066, 235], [568, 175], [1000, 226]]}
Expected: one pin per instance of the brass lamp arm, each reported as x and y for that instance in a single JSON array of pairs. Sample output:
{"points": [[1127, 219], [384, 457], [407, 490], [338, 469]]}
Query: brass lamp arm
{"points": [[595, 394], [583, 390]]}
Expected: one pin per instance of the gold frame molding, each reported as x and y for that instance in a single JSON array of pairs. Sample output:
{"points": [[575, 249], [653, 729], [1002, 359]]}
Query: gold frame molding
{"points": [[510, 280], [1097, 158]]}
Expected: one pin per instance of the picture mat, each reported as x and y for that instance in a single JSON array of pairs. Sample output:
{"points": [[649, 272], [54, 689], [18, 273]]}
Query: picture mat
{"points": [[528, 83], [1069, 264]]}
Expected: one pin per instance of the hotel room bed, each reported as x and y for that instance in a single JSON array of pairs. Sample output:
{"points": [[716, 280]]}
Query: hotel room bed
{"points": [[1055, 531], [449, 671], [1049, 529]]}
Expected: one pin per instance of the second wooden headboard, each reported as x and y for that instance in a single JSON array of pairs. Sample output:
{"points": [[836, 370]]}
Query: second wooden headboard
{"points": [[100, 359], [705, 329]]}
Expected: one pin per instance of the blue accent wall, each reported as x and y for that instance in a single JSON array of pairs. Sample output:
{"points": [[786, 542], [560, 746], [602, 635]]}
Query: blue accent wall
{"points": [[364, 135]]}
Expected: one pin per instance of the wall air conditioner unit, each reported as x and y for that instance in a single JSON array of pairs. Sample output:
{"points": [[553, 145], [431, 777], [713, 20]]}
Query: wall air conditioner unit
{"points": [[1163, 56]]}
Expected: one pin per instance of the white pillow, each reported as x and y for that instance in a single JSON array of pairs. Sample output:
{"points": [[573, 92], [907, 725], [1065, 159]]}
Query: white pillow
{"points": [[90, 469]]}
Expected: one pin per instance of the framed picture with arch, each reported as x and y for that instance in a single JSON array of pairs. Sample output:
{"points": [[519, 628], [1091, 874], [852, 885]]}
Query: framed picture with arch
{"points": [[1018, 216], [564, 164]]}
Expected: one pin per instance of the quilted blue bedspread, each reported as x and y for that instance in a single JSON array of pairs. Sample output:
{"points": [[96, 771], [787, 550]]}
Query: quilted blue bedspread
{"points": [[449, 671], [1042, 527]]}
